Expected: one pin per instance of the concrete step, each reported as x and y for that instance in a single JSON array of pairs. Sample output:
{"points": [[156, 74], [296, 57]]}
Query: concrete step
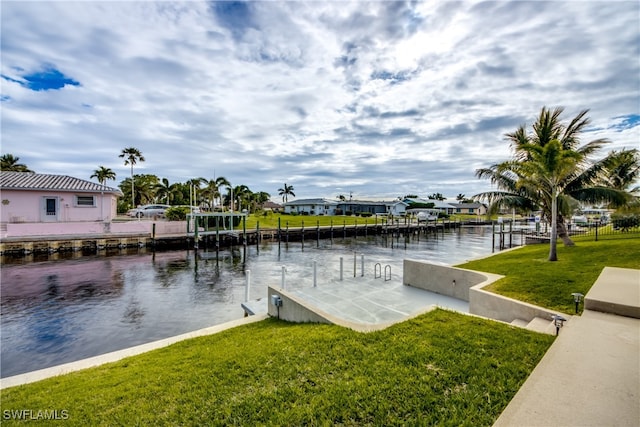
{"points": [[520, 323], [542, 325]]}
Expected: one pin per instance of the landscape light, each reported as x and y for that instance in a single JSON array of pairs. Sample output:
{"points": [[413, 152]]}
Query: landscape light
{"points": [[558, 321], [577, 297]]}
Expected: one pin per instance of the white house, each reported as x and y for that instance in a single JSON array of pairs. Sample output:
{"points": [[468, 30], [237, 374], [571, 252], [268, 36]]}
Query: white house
{"points": [[311, 207], [471, 208], [440, 205]]}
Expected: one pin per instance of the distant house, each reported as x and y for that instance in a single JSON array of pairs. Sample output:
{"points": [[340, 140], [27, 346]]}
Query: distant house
{"points": [[471, 208], [311, 207], [41, 198], [394, 207], [269, 205], [440, 205]]}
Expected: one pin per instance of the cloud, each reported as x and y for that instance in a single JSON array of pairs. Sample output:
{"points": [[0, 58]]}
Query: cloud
{"points": [[378, 98]]}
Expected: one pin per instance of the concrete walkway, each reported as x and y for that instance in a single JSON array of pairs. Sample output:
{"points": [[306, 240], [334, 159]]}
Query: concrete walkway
{"points": [[591, 374]]}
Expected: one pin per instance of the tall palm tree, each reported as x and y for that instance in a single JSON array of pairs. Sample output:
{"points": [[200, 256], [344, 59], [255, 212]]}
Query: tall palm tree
{"points": [[102, 174], [624, 169], [166, 191], [9, 162], [242, 194], [584, 184], [285, 192], [461, 197], [131, 156], [546, 172]]}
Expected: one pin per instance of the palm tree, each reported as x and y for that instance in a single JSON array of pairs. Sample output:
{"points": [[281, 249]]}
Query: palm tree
{"points": [[285, 192], [8, 162], [624, 169], [461, 197], [102, 174], [167, 191], [131, 156], [583, 184], [546, 171], [242, 194], [145, 186]]}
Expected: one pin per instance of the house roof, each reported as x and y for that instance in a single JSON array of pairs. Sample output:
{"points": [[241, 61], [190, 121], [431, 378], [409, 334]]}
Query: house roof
{"points": [[368, 203], [468, 205], [437, 204], [271, 205], [301, 202], [46, 182]]}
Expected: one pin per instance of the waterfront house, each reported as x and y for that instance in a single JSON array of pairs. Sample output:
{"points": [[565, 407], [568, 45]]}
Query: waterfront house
{"points": [[42, 198], [395, 207], [470, 208], [440, 205], [311, 207]]}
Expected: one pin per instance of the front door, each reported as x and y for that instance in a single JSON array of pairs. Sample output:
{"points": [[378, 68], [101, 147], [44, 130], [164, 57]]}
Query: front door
{"points": [[50, 212]]}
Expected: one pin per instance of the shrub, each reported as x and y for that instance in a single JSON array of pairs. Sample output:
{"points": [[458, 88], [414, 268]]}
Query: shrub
{"points": [[366, 214], [625, 221], [348, 213], [177, 213]]}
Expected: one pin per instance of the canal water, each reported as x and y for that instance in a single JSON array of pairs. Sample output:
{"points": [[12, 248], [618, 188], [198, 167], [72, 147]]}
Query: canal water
{"points": [[56, 311]]}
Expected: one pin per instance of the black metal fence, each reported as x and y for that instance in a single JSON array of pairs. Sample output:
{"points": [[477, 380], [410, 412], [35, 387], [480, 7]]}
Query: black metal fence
{"points": [[511, 234]]}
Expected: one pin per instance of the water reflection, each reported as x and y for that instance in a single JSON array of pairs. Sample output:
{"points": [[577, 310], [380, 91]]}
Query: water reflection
{"points": [[55, 310]]}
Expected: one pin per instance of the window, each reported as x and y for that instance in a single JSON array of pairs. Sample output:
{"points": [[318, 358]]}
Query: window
{"points": [[85, 201]]}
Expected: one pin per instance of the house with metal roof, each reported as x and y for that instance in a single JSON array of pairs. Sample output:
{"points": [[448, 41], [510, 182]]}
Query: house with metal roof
{"points": [[311, 207], [28, 197], [471, 208], [395, 207]]}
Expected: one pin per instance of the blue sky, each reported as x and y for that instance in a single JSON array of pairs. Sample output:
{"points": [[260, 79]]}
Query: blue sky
{"points": [[379, 99]]}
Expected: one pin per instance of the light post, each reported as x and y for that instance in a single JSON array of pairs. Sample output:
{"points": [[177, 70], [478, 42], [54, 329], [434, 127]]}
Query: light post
{"points": [[577, 297], [558, 321]]}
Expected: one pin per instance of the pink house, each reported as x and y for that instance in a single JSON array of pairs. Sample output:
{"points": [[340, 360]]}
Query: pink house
{"points": [[28, 197]]}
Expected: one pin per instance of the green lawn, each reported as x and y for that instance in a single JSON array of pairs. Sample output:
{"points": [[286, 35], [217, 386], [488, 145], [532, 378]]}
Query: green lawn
{"points": [[310, 221], [533, 279], [440, 368]]}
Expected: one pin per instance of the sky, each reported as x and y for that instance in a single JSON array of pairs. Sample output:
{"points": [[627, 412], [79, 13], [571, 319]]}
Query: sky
{"points": [[375, 99]]}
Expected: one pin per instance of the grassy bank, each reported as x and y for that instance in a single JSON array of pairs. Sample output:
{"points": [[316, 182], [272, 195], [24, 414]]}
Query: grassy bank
{"points": [[294, 221], [533, 279], [441, 368]]}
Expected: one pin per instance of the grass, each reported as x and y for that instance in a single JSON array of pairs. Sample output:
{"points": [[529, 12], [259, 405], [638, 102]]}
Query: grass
{"points": [[310, 221], [441, 368], [533, 279]]}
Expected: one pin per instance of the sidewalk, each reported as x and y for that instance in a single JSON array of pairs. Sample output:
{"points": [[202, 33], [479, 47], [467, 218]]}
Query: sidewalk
{"points": [[591, 374]]}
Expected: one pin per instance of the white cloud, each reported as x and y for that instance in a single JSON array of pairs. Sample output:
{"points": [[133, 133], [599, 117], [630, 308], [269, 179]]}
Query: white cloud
{"points": [[378, 98]]}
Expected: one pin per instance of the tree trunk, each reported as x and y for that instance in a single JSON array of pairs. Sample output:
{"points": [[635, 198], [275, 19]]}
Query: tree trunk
{"points": [[553, 255], [562, 232]]}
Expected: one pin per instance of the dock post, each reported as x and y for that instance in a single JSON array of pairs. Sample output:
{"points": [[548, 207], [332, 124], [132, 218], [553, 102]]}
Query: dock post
{"points": [[362, 265], [247, 285], [244, 230], [315, 274], [302, 234], [279, 232], [318, 233], [355, 262], [258, 234], [331, 231], [287, 232], [493, 236], [195, 234], [510, 233]]}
